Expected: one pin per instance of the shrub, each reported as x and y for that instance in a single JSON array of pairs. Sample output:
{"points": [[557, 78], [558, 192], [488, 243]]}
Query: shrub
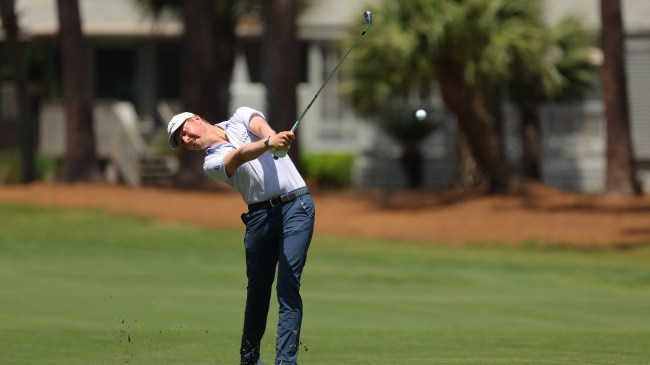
{"points": [[332, 171], [11, 167]]}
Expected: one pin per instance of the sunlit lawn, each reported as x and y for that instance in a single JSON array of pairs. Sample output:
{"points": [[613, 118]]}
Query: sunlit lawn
{"points": [[88, 287]]}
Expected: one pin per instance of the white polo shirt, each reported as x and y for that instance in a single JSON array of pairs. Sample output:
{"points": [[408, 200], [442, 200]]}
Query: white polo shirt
{"points": [[257, 180]]}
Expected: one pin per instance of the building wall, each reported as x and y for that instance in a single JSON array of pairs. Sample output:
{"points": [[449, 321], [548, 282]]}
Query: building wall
{"points": [[638, 72]]}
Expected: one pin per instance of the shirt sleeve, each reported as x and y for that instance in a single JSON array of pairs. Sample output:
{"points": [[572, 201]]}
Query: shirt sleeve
{"points": [[214, 166], [244, 115]]}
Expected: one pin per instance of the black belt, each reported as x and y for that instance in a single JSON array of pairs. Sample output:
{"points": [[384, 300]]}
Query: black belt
{"points": [[278, 199]]}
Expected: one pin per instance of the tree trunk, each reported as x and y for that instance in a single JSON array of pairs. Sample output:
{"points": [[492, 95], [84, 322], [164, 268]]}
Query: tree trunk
{"points": [[224, 59], [282, 66], [412, 160], [208, 60], [467, 174], [620, 161], [478, 125], [530, 138], [10, 26], [80, 160]]}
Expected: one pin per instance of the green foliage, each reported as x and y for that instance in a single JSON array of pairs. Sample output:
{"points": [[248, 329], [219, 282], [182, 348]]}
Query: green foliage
{"points": [[484, 37], [87, 287], [574, 62], [11, 167], [487, 36], [492, 41], [561, 67], [328, 170]]}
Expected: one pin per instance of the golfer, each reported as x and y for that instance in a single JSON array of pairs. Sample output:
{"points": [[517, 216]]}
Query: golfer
{"points": [[279, 222]]}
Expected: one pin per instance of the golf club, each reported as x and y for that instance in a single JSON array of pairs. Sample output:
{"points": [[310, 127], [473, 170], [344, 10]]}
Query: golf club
{"points": [[367, 16]]}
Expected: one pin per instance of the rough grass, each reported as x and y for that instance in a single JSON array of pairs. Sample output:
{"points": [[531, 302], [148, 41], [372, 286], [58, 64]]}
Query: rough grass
{"points": [[87, 287]]}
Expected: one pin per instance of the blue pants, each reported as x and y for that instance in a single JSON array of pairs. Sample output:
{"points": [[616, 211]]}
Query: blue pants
{"points": [[277, 236]]}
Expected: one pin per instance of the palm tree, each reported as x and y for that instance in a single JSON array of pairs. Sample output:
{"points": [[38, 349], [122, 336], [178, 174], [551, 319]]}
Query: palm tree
{"points": [[80, 158], [469, 48], [565, 72], [11, 29], [620, 179]]}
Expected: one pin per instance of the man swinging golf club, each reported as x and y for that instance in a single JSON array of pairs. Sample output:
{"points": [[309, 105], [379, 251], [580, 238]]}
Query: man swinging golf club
{"points": [[279, 222], [247, 154]]}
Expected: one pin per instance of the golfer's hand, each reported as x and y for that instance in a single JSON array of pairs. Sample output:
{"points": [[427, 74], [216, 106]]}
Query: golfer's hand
{"points": [[282, 140], [284, 143]]}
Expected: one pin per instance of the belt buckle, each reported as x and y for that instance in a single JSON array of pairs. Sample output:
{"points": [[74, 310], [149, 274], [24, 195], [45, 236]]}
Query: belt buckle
{"points": [[273, 203]]}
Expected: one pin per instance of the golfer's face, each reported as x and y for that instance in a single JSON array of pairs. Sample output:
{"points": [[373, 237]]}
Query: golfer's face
{"points": [[190, 133]]}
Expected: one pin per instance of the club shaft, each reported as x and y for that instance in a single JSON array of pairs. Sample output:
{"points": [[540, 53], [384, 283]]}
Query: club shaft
{"points": [[295, 126]]}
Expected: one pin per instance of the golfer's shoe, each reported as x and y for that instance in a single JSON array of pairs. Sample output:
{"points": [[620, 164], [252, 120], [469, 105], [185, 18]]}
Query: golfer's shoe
{"points": [[259, 362]]}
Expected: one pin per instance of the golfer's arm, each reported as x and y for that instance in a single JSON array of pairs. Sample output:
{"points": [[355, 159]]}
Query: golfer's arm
{"points": [[260, 127], [243, 154], [248, 152]]}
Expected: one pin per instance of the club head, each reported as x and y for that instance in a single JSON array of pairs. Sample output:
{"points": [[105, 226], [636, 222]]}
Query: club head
{"points": [[367, 15]]}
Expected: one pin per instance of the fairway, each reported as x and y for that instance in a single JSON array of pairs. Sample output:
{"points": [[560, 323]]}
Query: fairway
{"points": [[89, 287]]}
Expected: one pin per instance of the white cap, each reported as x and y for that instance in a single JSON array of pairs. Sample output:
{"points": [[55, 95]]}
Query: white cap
{"points": [[174, 124]]}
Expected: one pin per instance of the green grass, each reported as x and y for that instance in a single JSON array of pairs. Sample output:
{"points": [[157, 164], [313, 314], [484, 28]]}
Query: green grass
{"points": [[88, 287]]}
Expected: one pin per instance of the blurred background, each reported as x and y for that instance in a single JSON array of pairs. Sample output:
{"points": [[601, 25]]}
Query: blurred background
{"points": [[515, 91]]}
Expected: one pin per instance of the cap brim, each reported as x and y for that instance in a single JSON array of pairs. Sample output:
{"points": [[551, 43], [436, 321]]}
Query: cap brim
{"points": [[174, 124], [173, 143]]}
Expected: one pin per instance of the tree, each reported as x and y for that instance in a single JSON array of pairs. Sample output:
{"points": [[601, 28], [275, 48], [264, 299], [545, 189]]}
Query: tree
{"points": [[468, 47], [80, 159], [620, 179], [563, 72], [208, 59], [281, 65], [11, 29]]}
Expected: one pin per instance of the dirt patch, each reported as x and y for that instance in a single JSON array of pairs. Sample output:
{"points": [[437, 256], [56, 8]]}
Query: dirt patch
{"points": [[542, 216]]}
